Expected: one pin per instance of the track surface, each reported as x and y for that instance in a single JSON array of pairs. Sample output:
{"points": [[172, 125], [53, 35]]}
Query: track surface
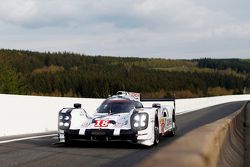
{"points": [[42, 152]]}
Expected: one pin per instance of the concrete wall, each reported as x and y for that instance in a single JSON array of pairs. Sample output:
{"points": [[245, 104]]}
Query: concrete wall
{"points": [[186, 105], [35, 114], [217, 144], [191, 104]]}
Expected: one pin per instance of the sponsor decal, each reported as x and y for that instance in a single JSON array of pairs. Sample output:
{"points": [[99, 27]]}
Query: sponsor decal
{"points": [[162, 124], [135, 95], [169, 122], [101, 123]]}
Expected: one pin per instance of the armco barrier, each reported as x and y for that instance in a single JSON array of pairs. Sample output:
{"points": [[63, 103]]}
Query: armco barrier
{"points": [[36, 114], [220, 143]]}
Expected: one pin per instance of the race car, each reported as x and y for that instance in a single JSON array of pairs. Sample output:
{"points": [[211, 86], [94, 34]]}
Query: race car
{"points": [[119, 117]]}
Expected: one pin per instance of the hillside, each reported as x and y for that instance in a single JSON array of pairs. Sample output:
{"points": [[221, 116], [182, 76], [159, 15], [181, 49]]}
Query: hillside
{"points": [[69, 74]]}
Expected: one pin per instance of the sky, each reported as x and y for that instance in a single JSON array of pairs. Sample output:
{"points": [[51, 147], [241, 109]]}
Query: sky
{"points": [[171, 29]]}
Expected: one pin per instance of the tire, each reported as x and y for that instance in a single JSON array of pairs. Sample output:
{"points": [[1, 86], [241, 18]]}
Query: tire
{"points": [[156, 133], [172, 133], [67, 138]]}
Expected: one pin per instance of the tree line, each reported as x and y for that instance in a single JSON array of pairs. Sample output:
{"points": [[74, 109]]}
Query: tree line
{"points": [[238, 65], [75, 75]]}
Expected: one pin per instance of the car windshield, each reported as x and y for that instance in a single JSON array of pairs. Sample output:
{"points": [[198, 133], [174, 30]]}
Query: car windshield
{"points": [[116, 106]]}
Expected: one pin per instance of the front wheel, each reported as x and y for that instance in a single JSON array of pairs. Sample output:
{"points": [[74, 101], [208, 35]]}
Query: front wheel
{"points": [[67, 138]]}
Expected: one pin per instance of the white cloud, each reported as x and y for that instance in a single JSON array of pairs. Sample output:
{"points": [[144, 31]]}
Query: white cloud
{"points": [[17, 10], [125, 28]]}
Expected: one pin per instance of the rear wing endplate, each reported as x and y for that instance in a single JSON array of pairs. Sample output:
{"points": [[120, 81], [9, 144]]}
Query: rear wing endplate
{"points": [[159, 100]]}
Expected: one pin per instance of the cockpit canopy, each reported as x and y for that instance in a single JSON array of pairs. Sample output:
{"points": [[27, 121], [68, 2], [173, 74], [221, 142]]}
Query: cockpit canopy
{"points": [[118, 105]]}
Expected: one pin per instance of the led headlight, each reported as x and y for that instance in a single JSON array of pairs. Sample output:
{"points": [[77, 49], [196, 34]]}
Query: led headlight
{"points": [[137, 117], [139, 121], [143, 120], [136, 125], [64, 120], [143, 117], [143, 124], [66, 124]]}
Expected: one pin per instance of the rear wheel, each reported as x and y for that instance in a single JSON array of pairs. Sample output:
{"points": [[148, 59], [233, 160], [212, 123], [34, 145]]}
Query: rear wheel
{"points": [[172, 133], [156, 133]]}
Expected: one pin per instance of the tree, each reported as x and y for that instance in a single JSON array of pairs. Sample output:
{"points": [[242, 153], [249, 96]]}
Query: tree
{"points": [[9, 81]]}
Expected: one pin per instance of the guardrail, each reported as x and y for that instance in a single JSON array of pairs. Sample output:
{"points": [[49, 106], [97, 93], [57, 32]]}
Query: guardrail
{"points": [[37, 114], [220, 143]]}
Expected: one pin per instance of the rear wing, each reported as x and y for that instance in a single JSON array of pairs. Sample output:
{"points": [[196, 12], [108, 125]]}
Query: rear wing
{"points": [[136, 96], [159, 100]]}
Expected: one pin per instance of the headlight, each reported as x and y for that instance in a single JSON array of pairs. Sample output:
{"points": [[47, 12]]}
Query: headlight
{"points": [[136, 124], [64, 120], [66, 124], [143, 124], [143, 120], [139, 121], [143, 117], [137, 117]]}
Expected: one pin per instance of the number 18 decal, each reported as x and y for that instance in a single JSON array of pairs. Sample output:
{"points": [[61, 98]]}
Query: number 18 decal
{"points": [[101, 123]]}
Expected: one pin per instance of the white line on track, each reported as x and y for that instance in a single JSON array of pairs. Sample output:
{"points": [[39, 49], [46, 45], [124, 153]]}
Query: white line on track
{"points": [[26, 138]]}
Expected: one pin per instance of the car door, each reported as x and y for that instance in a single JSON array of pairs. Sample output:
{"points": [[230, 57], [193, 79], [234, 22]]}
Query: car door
{"points": [[168, 119], [164, 119]]}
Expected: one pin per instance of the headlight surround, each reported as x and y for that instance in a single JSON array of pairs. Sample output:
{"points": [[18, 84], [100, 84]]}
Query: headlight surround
{"points": [[139, 121], [64, 121]]}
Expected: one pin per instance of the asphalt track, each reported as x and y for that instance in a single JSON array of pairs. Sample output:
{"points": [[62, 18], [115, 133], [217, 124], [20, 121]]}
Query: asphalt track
{"points": [[43, 152]]}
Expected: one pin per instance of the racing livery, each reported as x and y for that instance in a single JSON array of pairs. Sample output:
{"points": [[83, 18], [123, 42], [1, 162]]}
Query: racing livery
{"points": [[120, 117]]}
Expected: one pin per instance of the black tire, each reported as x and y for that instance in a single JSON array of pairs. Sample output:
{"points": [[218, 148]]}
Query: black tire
{"points": [[67, 138], [173, 131], [156, 133]]}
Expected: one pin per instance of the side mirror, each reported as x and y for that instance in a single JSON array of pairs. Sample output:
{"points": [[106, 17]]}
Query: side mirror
{"points": [[156, 105], [77, 105]]}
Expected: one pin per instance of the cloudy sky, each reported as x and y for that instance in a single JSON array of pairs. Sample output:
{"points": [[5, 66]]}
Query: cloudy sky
{"points": [[142, 28]]}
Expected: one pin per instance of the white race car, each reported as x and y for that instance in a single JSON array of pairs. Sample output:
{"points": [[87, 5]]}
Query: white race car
{"points": [[120, 117]]}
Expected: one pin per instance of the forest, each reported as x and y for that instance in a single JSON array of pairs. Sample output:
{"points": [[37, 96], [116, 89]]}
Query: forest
{"points": [[77, 75]]}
